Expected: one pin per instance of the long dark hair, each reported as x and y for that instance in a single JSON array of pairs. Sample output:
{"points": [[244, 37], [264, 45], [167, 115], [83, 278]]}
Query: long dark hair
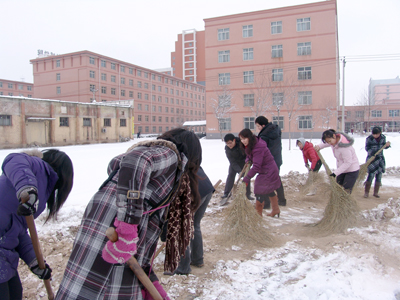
{"points": [[188, 143], [62, 165], [247, 133], [328, 134]]}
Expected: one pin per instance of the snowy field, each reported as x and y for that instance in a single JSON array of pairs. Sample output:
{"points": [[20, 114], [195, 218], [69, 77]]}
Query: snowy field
{"points": [[291, 271]]}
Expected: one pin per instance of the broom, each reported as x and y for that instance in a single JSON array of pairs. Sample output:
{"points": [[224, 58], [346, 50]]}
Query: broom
{"points": [[341, 211], [242, 224], [364, 167]]}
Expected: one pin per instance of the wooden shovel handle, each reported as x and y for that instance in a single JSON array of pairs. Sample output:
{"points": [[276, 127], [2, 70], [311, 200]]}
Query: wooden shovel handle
{"points": [[38, 252], [136, 268]]}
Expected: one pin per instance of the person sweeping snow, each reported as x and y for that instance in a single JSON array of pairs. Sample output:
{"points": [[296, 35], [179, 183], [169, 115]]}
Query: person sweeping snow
{"points": [[142, 183], [347, 163], [44, 179], [309, 154]]}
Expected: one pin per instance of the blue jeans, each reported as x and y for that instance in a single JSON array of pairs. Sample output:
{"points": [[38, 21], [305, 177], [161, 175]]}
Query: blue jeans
{"points": [[377, 175], [194, 252]]}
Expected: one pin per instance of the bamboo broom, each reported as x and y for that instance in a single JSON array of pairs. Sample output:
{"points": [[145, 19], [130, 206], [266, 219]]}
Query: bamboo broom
{"points": [[364, 166]]}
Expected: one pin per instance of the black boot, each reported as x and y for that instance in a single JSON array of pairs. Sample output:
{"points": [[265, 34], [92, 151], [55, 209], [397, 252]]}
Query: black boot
{"points": [[248, 192], [267, 203], [281, 196]]}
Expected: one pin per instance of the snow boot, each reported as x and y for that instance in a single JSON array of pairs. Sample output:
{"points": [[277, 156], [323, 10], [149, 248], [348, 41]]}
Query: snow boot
{"points": [[259, 207], [376, 189], [248, 193], [275, 207], [267, 203], [366, 189]]}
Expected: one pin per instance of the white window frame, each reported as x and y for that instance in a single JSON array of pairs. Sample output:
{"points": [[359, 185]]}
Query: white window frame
{"points": [[305, 97], [223, 34], [247, 31], [224, 78], [92, 74], [280, 121], [376, 113], [277, 74], [276, 27], [277, 99], [224, 56], [304, 122], [303, 24], [276, 51], [304, 48], [248, 77], [304, 73], [248, 53], [248, 122]]}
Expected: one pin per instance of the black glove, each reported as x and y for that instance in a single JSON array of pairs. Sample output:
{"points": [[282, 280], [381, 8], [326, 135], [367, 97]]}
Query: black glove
{"points": [[333, 175], [29, 207], [41, 273]]}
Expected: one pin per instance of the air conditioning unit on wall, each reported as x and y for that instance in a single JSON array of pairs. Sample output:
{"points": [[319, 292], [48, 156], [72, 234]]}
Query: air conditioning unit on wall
{"points": [[103, 130]]}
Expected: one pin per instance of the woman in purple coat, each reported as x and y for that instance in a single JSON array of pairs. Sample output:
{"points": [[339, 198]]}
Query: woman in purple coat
{"points": [[44, 179], [264, 165]]}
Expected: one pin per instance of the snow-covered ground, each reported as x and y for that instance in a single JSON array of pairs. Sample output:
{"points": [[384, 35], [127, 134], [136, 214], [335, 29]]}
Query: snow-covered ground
{"points": [[291, 271]]}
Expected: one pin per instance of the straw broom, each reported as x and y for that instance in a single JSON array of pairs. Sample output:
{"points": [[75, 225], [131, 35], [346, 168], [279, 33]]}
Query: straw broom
{"points": [[364, 167], [242, 224], [341, 211]]}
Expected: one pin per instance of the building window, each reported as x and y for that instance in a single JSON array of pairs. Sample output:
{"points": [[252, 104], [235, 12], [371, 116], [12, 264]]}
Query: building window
{"points": [[113, 78], [146, 129], [91, 74], [20, 87], [359, 114], [123, 93], [154, 129], [103, 63], [29, 96], [225, 124], [248, 100], [278, 121], [122, 123], [146, 108], [223, 34], [303, 24], [224, 101], [159, 88], [130, 94], [276, 27], [130, 71], [247, 31], [146, 85], [249, 122], [107, 122], [146, 96], [139, 106], [58, 77], [1, 84], [277, 74], [5, 120], [159, 119], [87, 122], [223, 56], [139, 73], [277, 51], [58, 89], [305, 122], [10, 85], [248, 76], [58, 63], [304, 73], [153, 97], [139, 118], [305, 98], [139, 84], [29, 88], [277, 99], [139, 95], [224, 78], [130, 82], [122, 80], [113, 66], [91, 60], [394, 112], [113, 91], [159, 128], [146, 75], [10, 94], [104, 76], [247, 53], [104, 90], [92, 88], [376, 114], [64, 122], [122, 69], [304, 48]]}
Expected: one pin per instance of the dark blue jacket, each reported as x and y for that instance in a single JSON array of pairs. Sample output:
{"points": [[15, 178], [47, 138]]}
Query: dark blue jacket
{"points": [[236, 156], [271, 134], [20, 171]]}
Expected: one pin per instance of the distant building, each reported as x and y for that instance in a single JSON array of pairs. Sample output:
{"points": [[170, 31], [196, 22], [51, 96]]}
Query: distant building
{"points": [[188, 59], [16, 88], [27, 122], [384, 91], [161, 102], [281, 63]]}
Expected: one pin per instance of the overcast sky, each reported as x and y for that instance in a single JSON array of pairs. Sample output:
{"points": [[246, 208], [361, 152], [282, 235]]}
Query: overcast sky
{"points": [[144, 32]]}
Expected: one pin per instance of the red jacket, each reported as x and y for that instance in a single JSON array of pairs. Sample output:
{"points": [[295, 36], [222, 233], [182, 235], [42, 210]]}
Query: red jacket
{"points": [[309, 154]]}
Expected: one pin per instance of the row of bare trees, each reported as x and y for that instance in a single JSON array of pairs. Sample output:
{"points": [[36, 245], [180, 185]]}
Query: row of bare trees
{"points": [[271, 96]]}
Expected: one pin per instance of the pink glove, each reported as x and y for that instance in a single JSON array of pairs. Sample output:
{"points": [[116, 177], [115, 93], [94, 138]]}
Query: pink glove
{"points": [[146, 295], [122, 250]]}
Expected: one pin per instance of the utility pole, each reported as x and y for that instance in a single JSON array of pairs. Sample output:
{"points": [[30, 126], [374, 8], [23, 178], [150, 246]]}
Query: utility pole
{"points": [[94, 93], [344, 63]]}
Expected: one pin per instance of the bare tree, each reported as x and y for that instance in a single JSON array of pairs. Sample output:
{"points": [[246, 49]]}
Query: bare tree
{"points": [[328, 112], [366, 101], [222, 107]]}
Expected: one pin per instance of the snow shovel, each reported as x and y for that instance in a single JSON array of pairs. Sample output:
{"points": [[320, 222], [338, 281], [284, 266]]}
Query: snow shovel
{"points": [[136, 268], [225, 200]]}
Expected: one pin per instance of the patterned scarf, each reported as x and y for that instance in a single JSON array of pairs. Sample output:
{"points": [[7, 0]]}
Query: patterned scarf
{"points": [[180, 225]]}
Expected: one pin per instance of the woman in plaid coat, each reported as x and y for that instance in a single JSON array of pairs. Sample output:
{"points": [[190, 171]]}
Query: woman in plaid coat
{"points": [[142, 183], [373, 143]]}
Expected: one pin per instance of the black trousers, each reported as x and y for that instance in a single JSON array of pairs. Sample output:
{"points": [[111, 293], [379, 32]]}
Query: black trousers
{"points": [[12, 289], [347, 180]]}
